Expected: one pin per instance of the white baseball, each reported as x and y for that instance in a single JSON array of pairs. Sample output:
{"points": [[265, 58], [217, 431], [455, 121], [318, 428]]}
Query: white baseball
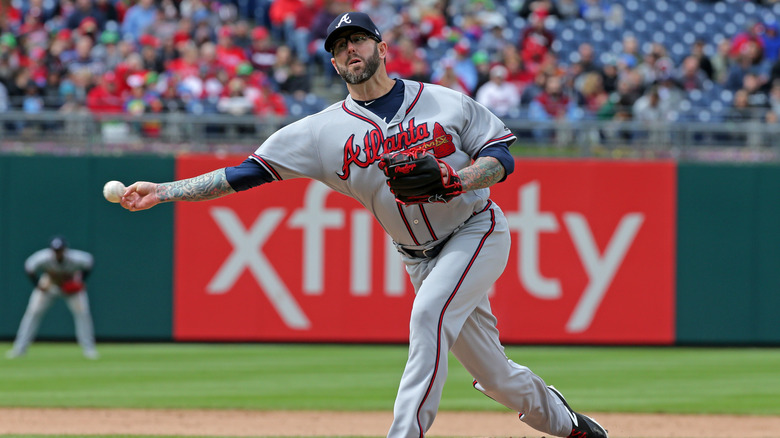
{"points": [[113, 191]]}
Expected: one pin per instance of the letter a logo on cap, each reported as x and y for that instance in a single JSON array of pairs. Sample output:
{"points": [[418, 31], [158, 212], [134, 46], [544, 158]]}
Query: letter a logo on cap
{"points": [[344, 19]]}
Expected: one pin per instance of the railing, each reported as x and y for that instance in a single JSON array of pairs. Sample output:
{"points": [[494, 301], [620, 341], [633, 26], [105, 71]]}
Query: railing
{"points": [[167, 133], [175, 133]]}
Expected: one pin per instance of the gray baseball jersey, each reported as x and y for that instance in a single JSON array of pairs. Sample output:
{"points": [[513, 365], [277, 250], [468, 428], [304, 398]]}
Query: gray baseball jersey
{"points": [[45, 260], [341, 147]]}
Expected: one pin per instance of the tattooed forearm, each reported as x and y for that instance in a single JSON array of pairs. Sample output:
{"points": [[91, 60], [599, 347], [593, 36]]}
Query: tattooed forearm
{"points": [[210, 185], [485, 172]]}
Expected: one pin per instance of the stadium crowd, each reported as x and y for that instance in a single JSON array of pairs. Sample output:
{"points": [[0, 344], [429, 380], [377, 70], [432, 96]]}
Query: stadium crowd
{"points": [[261, 57]]}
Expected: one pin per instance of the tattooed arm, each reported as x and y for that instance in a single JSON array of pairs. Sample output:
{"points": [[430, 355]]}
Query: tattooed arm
{"points": [[143, 195], [483, 173]]}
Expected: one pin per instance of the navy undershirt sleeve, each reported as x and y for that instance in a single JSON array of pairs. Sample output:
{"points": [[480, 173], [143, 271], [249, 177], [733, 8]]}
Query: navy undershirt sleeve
{"points": [[500, 151], [246, 175]]}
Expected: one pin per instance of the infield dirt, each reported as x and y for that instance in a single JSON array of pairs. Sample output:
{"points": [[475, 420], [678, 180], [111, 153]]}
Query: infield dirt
{"points": [[322, 423]]}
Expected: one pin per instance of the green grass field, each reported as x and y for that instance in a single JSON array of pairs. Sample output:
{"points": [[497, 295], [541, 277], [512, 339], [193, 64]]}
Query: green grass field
{"points": [[358, 377]]}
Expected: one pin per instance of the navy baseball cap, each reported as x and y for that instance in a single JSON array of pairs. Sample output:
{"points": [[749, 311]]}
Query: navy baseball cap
{"points": [[58, 243], [353, 21]]}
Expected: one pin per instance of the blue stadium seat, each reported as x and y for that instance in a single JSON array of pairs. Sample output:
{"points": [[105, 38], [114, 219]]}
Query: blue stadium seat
{"points": [[640, 26], [704, 116], [691, 7], [678, 52], [632, 6], [695, 96], [726, 96], [518, 23], [739, 19], [598, 36], [651, 16], [731, 29], [701, 29], [659, 37], [681, 18], [720, 8]]}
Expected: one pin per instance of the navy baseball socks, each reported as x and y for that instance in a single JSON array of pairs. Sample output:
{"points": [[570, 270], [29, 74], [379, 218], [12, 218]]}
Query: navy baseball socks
{"points": [[582, 425]]}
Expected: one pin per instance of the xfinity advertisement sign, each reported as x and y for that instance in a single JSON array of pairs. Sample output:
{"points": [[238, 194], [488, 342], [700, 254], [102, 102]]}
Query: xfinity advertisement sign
{"points": [[592, 260]]}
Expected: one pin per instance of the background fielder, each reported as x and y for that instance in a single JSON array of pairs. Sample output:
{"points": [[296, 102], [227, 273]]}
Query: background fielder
{"points": [[57, 272], [453, 250]]}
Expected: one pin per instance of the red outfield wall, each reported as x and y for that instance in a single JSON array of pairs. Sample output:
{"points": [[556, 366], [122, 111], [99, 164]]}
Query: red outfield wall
{"points": [[592, 260]]}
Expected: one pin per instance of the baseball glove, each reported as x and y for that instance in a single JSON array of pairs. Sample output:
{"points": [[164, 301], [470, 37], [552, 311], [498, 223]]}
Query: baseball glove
{"points": [[415, 176], [71, 286]]}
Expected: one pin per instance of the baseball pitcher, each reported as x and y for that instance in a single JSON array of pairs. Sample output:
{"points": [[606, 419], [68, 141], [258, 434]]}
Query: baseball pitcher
{"points": [[421, 158]]}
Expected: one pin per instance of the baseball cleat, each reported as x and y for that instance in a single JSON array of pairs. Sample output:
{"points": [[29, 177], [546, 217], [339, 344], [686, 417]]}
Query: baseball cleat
{"points": [[582, 425]]}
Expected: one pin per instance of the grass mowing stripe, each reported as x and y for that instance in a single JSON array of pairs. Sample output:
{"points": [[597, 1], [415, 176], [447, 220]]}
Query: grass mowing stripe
{"points": [[365, 377]]}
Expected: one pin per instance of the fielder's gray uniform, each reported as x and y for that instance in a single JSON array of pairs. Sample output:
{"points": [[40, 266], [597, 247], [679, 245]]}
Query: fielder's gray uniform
{"points": [[340, 147], [45, 262]]}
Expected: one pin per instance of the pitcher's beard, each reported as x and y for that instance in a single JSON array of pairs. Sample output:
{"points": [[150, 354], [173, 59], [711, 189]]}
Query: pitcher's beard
{"points": [[371, 66]]}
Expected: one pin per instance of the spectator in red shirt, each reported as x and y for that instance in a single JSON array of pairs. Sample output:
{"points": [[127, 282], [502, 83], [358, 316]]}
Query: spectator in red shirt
{"points": [[304, 18], [402, 57], [36, 62], [228, 54], [262, 54], [103, 97], [133, 65], [270, 103], [282, 12], [10, 17], [535, 41], [188, 64], [751, 35], [553, 102], [517, 74], [433, 22], [33, 29]]}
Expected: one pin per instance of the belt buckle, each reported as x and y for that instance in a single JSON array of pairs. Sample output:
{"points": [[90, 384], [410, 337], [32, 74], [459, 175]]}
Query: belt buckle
{"points": [[425, 251]]}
